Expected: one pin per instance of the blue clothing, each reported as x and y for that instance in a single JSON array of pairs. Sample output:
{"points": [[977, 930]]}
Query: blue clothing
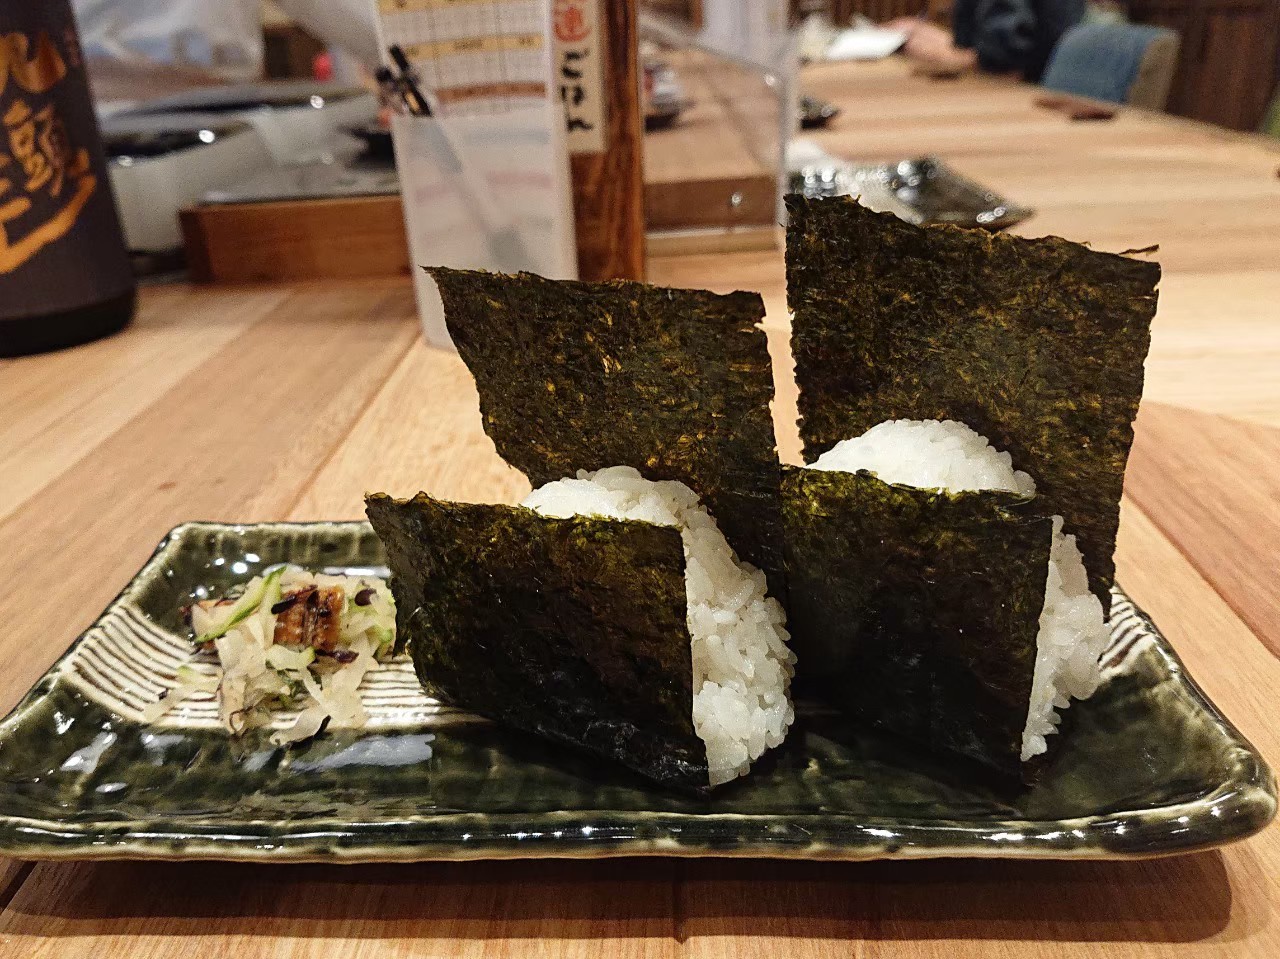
{"points": [[1101, 60], [1013, 35]]}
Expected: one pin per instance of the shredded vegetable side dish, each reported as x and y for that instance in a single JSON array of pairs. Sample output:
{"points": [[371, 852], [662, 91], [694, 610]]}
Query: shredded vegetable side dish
{"points": [[290, 640]]}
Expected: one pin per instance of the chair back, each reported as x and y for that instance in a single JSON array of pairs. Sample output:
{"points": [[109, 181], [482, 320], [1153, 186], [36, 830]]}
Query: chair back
{"points": [[1128, 63]]}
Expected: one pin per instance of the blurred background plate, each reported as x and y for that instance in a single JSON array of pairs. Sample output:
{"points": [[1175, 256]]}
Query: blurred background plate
{"points": [[921, 190]]}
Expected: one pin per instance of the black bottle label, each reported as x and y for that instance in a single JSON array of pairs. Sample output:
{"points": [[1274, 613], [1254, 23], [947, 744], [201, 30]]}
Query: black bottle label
{"points": [[60, 242]]}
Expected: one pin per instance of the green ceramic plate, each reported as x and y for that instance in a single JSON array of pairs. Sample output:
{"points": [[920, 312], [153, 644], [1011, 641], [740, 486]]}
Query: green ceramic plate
{"points": [[1148, 765]]}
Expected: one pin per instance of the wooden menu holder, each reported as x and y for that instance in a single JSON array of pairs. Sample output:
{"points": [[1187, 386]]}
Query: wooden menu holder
{"points": [[608, 187]]}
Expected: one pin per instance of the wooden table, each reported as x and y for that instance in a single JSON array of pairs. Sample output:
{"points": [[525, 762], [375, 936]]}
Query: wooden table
{"points": [[290, 402]]}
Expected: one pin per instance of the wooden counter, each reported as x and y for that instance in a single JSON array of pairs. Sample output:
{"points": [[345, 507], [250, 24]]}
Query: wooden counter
{"points": [[288, 402], [717, 164]]}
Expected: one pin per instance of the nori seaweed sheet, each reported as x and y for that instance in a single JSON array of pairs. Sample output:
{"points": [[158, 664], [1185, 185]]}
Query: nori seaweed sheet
{"points": [[1036, 344], [675, 383], [918, 609], [573, 629]]}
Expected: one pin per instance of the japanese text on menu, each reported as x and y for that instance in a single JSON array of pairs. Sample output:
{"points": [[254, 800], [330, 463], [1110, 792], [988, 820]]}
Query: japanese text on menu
{"points": [[472, 56], [577, 28]]}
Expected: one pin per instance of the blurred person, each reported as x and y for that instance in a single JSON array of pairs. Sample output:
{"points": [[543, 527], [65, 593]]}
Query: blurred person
{"points": [[139, 48], [997, 36]]}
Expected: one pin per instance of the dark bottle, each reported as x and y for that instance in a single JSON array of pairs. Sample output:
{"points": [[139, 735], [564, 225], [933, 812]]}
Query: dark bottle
{"points": [[65, 276]]}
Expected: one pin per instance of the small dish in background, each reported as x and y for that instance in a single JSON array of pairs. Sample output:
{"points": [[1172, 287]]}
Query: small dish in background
{"points": [[664, 98], [816, 114], [922, 191]]}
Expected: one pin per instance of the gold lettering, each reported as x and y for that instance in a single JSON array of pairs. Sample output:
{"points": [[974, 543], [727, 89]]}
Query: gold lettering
{"points": [[22, 141], [17, 113], [12, 210], [39, 143], [13, 253], [54, 147], [39, 173], [34, 73]]}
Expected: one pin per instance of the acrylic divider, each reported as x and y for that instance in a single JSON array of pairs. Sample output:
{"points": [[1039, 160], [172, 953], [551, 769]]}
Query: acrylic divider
{"points": [[485, 191]]}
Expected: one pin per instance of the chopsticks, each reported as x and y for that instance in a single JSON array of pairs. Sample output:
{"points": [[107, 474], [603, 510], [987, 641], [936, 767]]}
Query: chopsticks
{"points": [[402, 88]]}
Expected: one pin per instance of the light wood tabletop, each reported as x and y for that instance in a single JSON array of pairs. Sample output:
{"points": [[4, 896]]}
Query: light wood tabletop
{"points": [[288, 402]]}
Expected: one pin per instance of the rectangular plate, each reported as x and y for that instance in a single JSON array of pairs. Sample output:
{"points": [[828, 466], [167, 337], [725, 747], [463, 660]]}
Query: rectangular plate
{"points": [[1148, 765]]}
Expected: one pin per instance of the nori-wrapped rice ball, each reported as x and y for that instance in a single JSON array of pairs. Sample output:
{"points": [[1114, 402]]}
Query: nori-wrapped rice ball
{"points": [[1037, 345], [589, 629], [583, 376], [932, 596]]}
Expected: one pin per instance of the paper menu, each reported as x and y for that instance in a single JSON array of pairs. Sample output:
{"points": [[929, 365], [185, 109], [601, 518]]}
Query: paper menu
{"points": [[473, 56], [865, 43]]}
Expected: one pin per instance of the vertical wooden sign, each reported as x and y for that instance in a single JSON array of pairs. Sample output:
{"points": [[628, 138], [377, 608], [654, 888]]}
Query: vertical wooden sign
{"points": [[578, 63], [596, 75]]}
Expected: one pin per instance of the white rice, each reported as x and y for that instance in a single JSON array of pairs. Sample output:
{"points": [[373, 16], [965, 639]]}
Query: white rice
{"points": [[742, 666], [949, 455]]}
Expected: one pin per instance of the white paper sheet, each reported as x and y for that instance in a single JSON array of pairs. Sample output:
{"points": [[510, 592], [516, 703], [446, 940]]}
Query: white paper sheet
{"points": [[865, 43]]}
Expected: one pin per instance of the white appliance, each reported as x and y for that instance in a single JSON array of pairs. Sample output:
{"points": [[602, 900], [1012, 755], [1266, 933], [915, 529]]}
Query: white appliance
{"points": [[163, 162], [297, 119]]}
